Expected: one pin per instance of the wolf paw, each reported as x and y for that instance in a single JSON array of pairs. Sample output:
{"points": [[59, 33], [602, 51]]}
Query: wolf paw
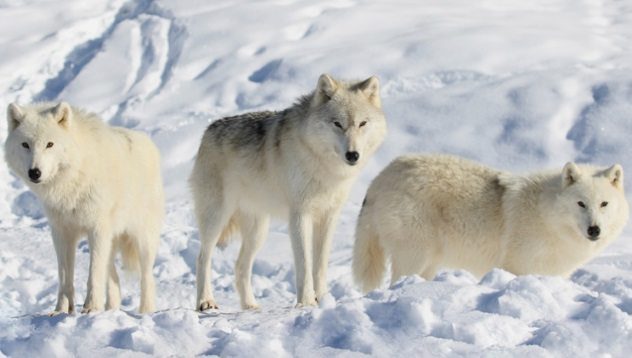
{"points": [[88, 308], [307, 303], [207, 305], [57, 313], [250, 306]]}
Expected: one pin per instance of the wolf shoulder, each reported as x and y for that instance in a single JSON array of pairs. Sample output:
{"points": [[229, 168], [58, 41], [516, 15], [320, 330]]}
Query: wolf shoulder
{"points": [[105, 138]]}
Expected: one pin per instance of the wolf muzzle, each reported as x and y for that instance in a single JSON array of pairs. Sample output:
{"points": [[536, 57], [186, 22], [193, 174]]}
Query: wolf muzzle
{"points": [[352, 157], [34, 175], [593, 232]]}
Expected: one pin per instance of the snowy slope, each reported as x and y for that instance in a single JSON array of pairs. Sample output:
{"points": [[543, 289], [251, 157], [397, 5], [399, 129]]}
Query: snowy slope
{"points": [[519, 85]]}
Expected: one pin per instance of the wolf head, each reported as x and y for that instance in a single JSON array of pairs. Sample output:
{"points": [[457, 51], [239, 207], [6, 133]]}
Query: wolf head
{"points": [[592, 202], [38, 144], [345, 121]]}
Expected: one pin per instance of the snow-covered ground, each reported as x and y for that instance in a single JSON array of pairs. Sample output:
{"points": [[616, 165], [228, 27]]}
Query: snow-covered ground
{"points": [[520, 85]]}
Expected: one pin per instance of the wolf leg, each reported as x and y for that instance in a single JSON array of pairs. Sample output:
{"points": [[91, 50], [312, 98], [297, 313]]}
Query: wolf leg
{"points": [[407, 261], [301, 229], [65, 242], [323, 232], [147, 257], [210, 228], [254, 230], [100, 242], [429, 272], [113, 301]]}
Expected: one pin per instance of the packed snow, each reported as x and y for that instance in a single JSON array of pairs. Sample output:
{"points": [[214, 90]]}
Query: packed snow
{"points": [[518, 85]]}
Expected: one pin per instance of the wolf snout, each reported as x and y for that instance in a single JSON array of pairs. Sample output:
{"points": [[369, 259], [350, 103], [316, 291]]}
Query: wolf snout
{"points": [[352, 157], [593, 232], [35, 174]]}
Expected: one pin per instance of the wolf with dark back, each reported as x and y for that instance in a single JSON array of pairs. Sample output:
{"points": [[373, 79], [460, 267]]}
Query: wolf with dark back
{"points": [[298, 164]]}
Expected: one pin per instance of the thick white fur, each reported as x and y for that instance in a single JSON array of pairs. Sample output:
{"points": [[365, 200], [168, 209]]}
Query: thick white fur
{"points": [[96, 181], [428, 212], [297, 173]]}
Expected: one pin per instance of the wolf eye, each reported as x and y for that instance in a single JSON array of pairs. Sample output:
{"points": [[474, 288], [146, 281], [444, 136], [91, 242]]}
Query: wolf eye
{"points": [[337, 124], [25, 145], [50, 145], [581, 204], [604, 204], [362, 124]]}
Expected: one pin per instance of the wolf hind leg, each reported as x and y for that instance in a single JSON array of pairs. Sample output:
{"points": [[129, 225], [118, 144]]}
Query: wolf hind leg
{"points": [[429, 272], [147, 248], [212, 221], [406, 262], [254, 230]]}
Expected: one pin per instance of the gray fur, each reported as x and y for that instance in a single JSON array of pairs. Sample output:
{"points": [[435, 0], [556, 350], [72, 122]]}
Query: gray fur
{"points": [[291, 164]]}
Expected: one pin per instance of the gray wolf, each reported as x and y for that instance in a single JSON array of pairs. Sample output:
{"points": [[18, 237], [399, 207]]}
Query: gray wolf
{"points": [[298, 165], [93, 180], [426, 212]]}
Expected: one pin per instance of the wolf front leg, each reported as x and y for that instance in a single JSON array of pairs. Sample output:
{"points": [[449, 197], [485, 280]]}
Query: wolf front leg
{"points": [[323, 232], [65, 242], [301, 229], [100, 242]]}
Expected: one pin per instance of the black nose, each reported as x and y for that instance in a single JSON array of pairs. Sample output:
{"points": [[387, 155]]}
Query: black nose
{"points": [[352, 157], [35, 174], [594, 231]]}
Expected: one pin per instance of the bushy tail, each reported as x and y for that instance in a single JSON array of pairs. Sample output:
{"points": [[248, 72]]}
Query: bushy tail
{"points": [[369, 262], [129, 254], [228, 234]]}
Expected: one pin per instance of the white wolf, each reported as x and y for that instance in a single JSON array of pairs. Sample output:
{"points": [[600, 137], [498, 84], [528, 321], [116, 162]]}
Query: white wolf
{"points": [[92, 180], [427, 212], [298, 164]]}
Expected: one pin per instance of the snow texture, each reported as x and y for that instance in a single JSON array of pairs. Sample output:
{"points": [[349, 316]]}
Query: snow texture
{"points": [[518, 85]]}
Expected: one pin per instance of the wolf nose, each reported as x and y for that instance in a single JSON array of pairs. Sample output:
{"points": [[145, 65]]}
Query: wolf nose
{"points": [[594, 231], [35, 174], [352, 157]]}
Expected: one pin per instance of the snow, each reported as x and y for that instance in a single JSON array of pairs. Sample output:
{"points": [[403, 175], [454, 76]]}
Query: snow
{"points": [[518, 85]]}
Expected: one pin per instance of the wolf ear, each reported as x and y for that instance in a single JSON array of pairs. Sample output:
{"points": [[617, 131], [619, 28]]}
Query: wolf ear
{"points": [[325, 89], [15, 115], [570, 174], [371, 89], [63, 114], [615, 175]]}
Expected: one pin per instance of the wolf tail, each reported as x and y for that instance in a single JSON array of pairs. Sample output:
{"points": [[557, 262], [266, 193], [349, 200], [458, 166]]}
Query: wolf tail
{"points": [[369, 261], [129, 254], [228, 234]]}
